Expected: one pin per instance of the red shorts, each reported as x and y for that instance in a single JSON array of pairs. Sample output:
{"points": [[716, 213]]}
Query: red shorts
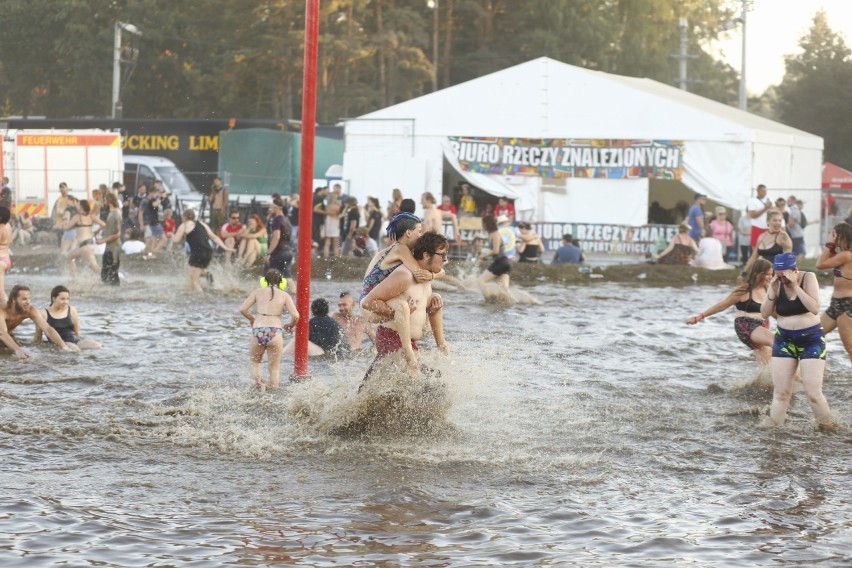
{"points": [[387, 342], [755, 234], [7, 262]]}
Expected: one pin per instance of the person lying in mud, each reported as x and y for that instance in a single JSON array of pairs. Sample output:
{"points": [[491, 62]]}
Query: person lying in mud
{"points": [[407, 304]]}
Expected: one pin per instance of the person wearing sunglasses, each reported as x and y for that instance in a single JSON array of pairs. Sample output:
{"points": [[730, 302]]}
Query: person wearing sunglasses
{"points": [[407, 304], [230, 233]]}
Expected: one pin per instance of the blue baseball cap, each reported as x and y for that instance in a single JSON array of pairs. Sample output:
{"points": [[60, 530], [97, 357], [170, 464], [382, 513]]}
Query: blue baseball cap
{"points": [[785, 261]]}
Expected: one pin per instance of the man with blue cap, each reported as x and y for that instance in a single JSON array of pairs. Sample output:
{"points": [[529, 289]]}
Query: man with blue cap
{"points": [[793, 298]]}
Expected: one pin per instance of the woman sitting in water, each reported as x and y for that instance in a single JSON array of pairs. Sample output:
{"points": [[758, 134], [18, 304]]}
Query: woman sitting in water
{"points": [[793, 298], [681, 249], [266, 325], [750, 326], [529, 245], [61, 316], [250, 246], [837, 255]]}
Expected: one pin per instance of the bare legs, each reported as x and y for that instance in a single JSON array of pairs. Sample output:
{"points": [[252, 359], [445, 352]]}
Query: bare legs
{"points": [[274, 349], [249, 251], [87, 254], [783, 370], [3, 296], [334, 244], [765, 338], [195, 278]]}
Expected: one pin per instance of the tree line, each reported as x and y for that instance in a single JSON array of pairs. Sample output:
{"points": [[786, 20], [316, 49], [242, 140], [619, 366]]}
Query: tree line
{"points": [[221, 59]]}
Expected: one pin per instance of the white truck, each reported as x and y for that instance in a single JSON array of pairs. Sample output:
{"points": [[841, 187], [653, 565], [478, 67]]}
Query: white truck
{"points": [[37, 161]]}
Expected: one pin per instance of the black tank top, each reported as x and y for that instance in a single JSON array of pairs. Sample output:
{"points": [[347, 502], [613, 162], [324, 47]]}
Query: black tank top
{"points": [[63, 326], [788, 307], [749, 306], [769, 254], [197, 239]]}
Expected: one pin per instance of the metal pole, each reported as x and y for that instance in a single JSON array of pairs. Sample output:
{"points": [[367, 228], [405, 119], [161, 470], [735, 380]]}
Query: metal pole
{"points": [[743, 100], [435, 47], [309, 112], [116, 68]]}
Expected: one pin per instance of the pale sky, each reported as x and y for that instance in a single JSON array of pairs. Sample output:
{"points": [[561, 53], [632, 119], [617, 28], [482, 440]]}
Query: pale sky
{"points": [[773, 31]]}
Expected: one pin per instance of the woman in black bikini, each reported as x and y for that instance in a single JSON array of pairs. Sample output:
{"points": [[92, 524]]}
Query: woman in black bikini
{"points": [[84, 248], [773, 242], [529, 245], [837, 255], [751, 328]]}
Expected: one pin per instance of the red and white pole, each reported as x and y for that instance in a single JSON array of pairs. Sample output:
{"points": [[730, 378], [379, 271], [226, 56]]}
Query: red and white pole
{"points": [[306, 189]]}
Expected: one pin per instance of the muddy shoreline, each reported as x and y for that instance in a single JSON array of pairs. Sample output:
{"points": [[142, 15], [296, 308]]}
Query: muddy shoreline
{"points": [[41, 259]]}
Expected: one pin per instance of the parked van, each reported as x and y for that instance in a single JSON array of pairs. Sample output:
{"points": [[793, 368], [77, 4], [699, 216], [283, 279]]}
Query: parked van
{"points": [[147, 169]]}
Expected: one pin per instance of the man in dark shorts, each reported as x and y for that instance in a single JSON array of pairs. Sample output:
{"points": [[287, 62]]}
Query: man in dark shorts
{"points": [[280, 255]]}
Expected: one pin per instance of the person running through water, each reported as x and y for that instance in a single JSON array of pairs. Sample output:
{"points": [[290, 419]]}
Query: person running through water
{"points": [[751, 327], [270, 301], [406, 303], [198, 236], [793, 298]]}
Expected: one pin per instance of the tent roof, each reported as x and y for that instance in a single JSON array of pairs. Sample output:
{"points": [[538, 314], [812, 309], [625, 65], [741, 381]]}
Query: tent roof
{"points": [[545, 98], [835, 177]]}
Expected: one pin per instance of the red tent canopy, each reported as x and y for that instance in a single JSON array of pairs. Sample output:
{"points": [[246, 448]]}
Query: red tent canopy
{"points": [[835, 177]]}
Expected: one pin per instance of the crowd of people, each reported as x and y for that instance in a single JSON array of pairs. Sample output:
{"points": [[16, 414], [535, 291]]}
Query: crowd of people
{"points": [[397, 299], [710, 240]]}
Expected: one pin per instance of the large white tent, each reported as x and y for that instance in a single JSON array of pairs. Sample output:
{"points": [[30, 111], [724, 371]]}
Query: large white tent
{"points": [[725, 152]]}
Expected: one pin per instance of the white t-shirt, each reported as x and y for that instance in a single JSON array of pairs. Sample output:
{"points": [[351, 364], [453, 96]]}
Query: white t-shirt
{"points": [[755, 204], [711, 254], [133, 247]]}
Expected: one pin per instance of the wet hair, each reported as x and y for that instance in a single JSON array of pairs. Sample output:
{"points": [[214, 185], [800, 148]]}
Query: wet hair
{"points": [[136, 234], [429, 197], [15, 291], [407, 206], [844, 236], [489, 223], [111, 200], [5, 214], [56, 291], [429, 242], [273, 277], [524, 225], [85, 207], [189, 215], [319, 307], [401, 223]]}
